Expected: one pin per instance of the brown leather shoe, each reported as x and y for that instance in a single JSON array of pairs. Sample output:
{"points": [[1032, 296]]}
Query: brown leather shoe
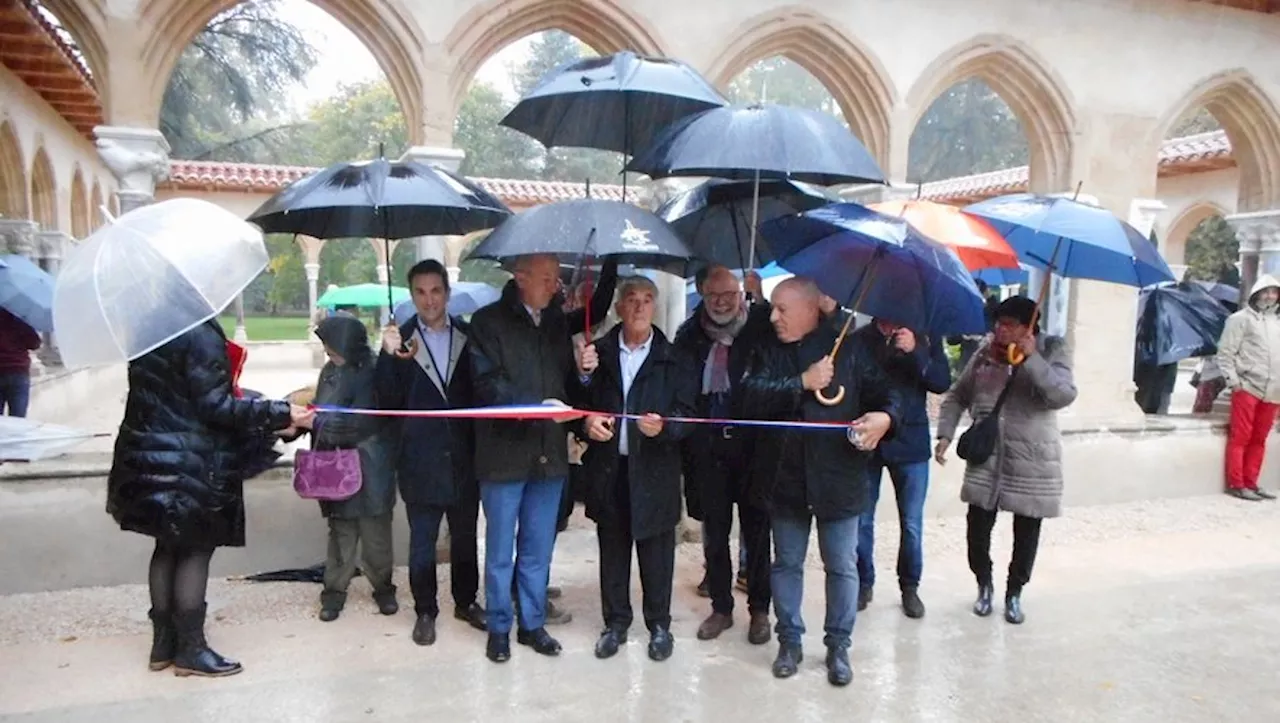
{"points": [[758, 632], [715, 624]]}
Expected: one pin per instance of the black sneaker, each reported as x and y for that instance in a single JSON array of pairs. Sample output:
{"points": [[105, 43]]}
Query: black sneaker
{"points": [[912, 606]]}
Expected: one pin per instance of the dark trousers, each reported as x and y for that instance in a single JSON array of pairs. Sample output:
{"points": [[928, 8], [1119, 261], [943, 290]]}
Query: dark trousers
{"points": [[657, 558], [464, 562], [371, 536], [15, 393], [722, 482], [1026, 540]]}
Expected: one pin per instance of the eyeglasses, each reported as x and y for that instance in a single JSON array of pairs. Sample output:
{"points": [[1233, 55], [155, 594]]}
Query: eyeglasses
{"points": [[726, 297]]}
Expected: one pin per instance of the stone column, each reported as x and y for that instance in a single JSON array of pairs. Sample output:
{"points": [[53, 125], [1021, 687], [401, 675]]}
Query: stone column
{"points": [[450, 159], [18, 236], [241, 334], [1259, 235], [313, 277], [51, 247], [138, 158]]}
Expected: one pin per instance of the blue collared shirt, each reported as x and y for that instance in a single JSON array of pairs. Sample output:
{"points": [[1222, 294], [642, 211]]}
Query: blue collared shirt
{"points": [[439, 345], [630, 361]]}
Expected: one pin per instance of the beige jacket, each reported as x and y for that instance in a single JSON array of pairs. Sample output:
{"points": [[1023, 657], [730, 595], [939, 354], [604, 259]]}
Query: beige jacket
{"points": [[1249, 350]]}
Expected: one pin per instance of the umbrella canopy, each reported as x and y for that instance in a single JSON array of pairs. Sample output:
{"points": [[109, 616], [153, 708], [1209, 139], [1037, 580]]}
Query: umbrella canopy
{"points": [[1074, 240], [879, 265], [380, 199], [588, 227], [366, 296], [1177, 322], [465, 297], [1224, 293], [150, 276], [26, 440], [1003, 277], [760, 141], [975, 242], [715, 217], [613, 103], [26, 291]]}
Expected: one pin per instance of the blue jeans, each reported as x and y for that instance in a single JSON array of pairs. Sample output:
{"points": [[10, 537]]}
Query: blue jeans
{"points": [[910, 485], [15, 393], [520, 535], [837, 542]]}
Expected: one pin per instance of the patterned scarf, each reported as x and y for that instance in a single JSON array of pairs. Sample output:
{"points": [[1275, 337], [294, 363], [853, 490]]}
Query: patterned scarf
{"points": [[715, 373]]}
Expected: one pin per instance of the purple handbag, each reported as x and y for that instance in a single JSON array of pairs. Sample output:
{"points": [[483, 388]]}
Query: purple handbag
{"points": [[330, 475]]}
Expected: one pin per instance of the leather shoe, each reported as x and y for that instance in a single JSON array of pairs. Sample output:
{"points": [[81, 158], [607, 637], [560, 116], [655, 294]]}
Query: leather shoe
{"points": [[838, 671], [424, 631], [661, 644], [554, 592], [557, 616], [329, 614], [715, 624], [540, 640], [499, 648], [472, 615], [758, 632], [982, 606], [704, 588], [1013, 609], [788, 661], [609, 642], [912, 605], [386, 601], [864, 598]]}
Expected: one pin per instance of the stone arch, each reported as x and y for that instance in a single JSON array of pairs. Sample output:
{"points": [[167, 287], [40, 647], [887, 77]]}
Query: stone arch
{"points": [[13, 175], [84, 21], [1033, 91], [44, 192], [1174, 243], [386, 27], [850, 72], [1252, 123], [488, 27], [96, 203], [79, 205]]}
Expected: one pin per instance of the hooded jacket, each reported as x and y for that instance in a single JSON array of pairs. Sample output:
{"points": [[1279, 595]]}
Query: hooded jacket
{"points": [[1249, 350]]}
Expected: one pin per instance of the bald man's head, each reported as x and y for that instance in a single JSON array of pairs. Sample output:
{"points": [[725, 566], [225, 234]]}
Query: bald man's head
{"points": [[796, 312]]}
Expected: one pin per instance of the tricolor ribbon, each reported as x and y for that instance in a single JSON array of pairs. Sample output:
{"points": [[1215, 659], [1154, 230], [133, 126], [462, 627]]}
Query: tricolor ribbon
{"points": [[557, 413]]}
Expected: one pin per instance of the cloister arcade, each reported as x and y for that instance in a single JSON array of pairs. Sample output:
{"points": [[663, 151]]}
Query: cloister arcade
{"points": [[1097, 88]]}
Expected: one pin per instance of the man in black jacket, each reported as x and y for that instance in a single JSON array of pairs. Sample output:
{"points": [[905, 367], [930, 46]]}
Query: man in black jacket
{"points": [[633, 466], [521, 354], [720, 339], [434, 456], [807, 473]]}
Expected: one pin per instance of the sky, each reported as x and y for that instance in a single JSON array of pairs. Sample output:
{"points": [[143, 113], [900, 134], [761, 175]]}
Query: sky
{"points": [[344, 59]]}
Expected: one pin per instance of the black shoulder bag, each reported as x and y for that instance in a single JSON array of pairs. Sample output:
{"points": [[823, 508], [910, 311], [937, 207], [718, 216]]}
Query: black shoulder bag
{"points": [[978, 442]]}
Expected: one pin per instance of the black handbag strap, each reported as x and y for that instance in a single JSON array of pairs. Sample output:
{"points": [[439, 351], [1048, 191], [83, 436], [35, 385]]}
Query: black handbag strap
{"points": [[1004, 393]]}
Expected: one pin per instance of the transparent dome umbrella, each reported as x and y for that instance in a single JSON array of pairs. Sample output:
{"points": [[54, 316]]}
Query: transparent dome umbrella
{"points": [[150, 276]]}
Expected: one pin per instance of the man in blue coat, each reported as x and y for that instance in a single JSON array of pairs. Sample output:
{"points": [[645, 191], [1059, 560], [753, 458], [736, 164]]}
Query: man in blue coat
{"points": [[914, 367], [434, 458]]}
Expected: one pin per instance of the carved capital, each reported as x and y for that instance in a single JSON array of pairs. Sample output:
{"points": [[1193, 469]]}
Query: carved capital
{"points": [[17, 236], [138, 158], [450, 159], [1258, 231], [51, 245]]}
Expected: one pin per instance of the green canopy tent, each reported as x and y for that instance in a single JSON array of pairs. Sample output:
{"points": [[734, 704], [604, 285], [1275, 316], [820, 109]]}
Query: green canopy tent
{"points": [[365, 296]]}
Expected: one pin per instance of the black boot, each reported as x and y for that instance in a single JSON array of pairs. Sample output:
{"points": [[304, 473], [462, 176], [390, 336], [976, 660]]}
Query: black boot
{"points": [[982, 606], [164, 640], [839, 673], [788, 661], [1013, 607], [194, 656]]}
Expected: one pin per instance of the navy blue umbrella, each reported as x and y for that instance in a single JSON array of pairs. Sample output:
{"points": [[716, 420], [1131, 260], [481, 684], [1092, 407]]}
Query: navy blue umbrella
{"points": [[588, 227], [1177, 322], [1074, 240], [715, 217], [613, 103], [880, 265], [1224, 293], [760, 142]]}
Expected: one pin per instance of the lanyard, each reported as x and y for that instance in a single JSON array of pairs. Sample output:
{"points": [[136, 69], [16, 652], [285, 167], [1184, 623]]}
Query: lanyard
{"points": [[442, 371]]}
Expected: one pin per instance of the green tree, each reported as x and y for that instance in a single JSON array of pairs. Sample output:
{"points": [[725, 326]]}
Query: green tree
{"points": [[357, 122], [968, 129], [1212, 252], [220, 102], [493, 151], [481, 270], [285, 278], [785, 82], [1202, 121]]}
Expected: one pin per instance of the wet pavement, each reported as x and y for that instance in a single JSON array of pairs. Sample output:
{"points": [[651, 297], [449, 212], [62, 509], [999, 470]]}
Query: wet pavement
{"points": [[1125, 623]]}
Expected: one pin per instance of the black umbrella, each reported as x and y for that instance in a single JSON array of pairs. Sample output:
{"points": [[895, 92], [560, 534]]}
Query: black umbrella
{"points": [[1224, 293], [613, 103], [588, 227], [715, 217], [1176, 322]]}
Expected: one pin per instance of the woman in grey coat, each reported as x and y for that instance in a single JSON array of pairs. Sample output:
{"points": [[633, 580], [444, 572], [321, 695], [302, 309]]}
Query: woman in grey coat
{"points": [[364, 520], [1024, 474]]}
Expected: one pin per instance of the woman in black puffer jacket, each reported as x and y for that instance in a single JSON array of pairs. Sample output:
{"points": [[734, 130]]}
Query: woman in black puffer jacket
{"points": [[185, 447]]}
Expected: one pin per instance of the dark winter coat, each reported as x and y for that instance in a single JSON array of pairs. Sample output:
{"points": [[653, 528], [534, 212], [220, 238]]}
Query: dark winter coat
{"points": [[515, 361], [697, 451], [354, 385], [926, 370], [186, 444], [434, 457], [805, 471], [665, 384]]}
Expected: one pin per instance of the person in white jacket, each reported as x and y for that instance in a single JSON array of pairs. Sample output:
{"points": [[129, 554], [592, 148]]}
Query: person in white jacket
{"points": [[1249, 357]]}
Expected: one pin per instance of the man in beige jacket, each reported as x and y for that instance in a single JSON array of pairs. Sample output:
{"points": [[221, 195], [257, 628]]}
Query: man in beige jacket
{"points": [[1249, 356]]}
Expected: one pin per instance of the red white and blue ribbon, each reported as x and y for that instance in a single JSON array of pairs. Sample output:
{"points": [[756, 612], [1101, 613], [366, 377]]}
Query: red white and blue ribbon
{"points": [[557, 413]]}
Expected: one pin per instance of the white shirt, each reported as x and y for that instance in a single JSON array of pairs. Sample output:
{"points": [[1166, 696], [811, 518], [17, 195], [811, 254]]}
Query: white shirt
{"points": [[630, 361], [534, 314]]}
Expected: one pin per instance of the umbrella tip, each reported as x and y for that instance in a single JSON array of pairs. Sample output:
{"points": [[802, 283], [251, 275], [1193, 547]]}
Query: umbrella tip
{"points": [[106, 213]]}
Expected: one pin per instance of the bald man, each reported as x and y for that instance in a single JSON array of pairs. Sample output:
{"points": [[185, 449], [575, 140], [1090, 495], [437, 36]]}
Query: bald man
{"points": [[521, 353], [807, 474]]}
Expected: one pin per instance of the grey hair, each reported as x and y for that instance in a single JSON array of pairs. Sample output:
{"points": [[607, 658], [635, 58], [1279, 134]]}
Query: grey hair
{"points": [[628, 284]]}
